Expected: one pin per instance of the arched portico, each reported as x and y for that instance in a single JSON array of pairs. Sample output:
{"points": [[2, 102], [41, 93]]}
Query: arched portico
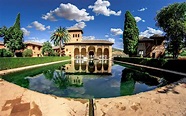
{"points": [[92, 52]]}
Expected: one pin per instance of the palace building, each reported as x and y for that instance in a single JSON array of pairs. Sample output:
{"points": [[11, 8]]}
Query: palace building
{"points": [[78, 48]]}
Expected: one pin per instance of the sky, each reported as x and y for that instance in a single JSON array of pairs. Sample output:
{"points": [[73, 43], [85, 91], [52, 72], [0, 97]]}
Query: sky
{"points": [[99, 19]]}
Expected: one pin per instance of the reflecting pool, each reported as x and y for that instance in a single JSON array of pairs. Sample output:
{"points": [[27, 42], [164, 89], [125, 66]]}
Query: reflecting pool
{"points": [[86, 79]]}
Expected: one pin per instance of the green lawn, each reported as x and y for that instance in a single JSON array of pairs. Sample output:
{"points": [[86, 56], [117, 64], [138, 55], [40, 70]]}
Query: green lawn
{"points": [[10, 62]]}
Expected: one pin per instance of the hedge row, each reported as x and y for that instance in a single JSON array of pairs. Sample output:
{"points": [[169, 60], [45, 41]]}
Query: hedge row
{"points": [[170, 64], [10, 62]]}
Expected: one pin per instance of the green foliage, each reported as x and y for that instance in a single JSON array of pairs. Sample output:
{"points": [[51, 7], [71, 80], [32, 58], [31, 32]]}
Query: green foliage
{"points": [[5, 53], [59, 37], [27, 53], [159, 63], [47, 49], [9, 63], [13, 36], [172, 19], [183, 53], [130, 35]]}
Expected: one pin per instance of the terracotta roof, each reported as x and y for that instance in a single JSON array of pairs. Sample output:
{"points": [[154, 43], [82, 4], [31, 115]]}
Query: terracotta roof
{"points": [[56, 47], [33, 43], [92, 42], [1, 43]]}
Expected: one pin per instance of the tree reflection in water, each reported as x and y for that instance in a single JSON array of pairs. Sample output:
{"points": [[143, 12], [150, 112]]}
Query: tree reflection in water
{"points": [[130, 77]]}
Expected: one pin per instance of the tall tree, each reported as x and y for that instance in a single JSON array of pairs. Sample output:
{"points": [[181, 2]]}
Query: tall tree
{"points": [[13, 36], [130, 35], [60, 36], [172, 19], [47, 49]]}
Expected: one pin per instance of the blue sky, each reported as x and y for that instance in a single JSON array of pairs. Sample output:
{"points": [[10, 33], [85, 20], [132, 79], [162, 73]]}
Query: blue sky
{"points": [[99, 19]]}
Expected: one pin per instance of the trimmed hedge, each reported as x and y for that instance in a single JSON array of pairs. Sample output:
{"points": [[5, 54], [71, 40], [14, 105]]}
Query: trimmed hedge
{"points": [[170, 64], [12, 62]]}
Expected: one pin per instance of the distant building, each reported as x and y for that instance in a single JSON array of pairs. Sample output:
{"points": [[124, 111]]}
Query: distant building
{"points": [[152, 47], [35, 47], [87, 49], [2, 45]]}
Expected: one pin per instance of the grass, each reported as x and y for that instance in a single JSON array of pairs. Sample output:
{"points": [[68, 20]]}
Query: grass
{"points": [[10, 62]]}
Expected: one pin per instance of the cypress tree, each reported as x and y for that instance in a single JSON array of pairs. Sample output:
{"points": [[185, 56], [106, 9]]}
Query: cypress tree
{"points": [[130, 35]]}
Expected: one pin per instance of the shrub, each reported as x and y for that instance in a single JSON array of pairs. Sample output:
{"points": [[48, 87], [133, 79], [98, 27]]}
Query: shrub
{"points": [[5, 53], [27, 53]]}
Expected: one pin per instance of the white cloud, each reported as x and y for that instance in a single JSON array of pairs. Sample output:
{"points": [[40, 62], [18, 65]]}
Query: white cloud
{"points": [[36, 39], [25, 31], [142, 9], [111, 40], [29, 26], [89, 37], [79, 25], [106, 36], [47, 27], [138, 19], [40, 26], [116, 31], [150, 32], [101, 7], [70, 12]]}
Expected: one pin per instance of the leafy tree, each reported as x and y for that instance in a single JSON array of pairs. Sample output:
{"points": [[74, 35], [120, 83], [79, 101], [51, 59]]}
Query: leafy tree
{"points": [[172, 19], [27, 53], [130, 35], [13, 36], [47, 49], [60, 36]]}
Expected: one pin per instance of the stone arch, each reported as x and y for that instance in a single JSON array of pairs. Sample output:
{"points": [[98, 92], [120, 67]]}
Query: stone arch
{"points": [[83, 52], [106, 53], [99, 52], [91, 51], [76, 52], [99, 66]]}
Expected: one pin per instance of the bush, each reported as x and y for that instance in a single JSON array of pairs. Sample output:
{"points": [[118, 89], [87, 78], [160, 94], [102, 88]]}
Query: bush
{"points": [[5, 53], [9, 63], [27, 53]]}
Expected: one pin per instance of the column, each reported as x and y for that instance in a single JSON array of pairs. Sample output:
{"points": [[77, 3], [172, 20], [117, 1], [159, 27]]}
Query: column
{"points": [[102, 56]]}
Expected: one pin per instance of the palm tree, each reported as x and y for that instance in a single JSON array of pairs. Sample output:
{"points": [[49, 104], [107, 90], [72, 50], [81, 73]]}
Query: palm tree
{"points": [[60, 36]]}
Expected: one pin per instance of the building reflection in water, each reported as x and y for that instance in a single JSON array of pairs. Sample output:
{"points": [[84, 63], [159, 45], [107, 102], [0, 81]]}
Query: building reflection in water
{"points": [[78, 68], [90, 66]]}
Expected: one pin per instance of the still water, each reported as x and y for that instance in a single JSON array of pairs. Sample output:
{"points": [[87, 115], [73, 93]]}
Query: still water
{"points": [[91, 79], [85, 79]]}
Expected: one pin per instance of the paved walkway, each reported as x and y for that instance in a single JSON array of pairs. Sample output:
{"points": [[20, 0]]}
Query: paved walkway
{"points": [[169, 100], [3, 72]]}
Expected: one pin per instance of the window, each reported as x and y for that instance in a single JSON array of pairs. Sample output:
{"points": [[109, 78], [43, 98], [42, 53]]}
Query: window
{"points": [[33, 47], [73, 35], [78, 35], [76, 39], [66, 49]]}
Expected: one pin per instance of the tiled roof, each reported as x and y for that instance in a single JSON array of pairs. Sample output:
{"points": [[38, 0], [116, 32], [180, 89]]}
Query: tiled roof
{"points": [[1, 42], [57, 47], [33, 43], [92, 42]]}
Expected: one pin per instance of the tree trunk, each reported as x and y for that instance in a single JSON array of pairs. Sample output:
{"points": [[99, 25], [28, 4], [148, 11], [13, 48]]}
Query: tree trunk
{"points": [[60, 49]]}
